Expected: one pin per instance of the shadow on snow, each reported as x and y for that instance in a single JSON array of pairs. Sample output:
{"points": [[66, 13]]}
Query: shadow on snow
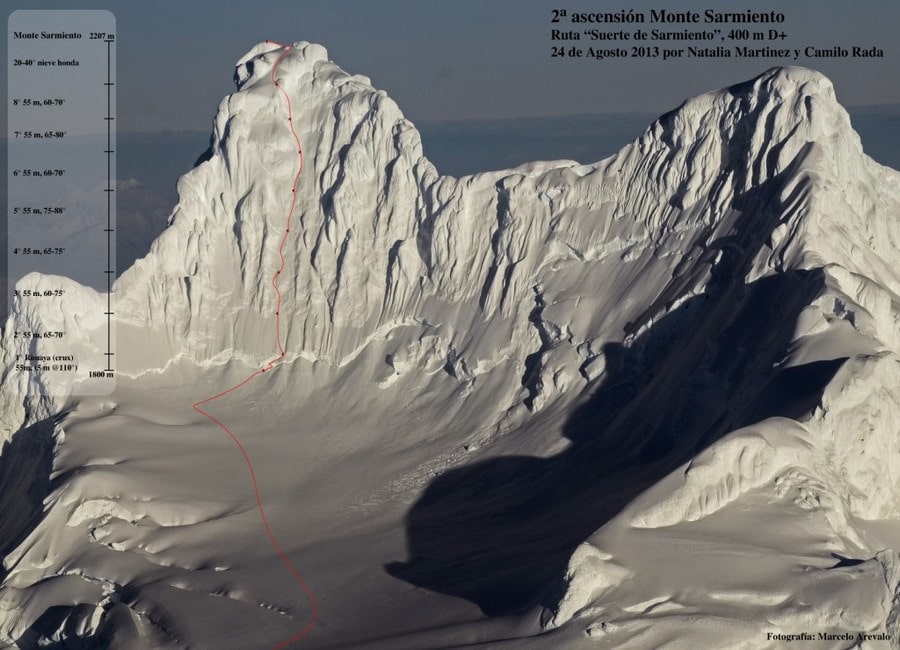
{"points": [[499, 532]]}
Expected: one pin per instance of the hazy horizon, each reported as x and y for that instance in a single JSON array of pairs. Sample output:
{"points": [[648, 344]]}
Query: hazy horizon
{"points": [[459, 60]]}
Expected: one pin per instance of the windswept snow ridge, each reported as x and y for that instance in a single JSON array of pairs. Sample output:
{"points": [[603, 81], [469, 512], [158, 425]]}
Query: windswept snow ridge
{"points": [[644, 401]]}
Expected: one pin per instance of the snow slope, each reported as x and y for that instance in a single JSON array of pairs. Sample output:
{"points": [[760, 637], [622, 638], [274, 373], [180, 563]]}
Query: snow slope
{"points": [[645, 402]]}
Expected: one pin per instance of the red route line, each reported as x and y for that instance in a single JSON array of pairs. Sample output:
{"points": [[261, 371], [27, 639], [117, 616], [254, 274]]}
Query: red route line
{"points": [[269, 365]]}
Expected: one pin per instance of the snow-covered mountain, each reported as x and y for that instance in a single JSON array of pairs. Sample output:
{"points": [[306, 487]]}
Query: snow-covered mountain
{"points": [[648, 399]]}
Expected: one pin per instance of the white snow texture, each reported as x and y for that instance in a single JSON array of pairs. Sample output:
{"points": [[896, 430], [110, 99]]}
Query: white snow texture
{"points": [[689, 348]]}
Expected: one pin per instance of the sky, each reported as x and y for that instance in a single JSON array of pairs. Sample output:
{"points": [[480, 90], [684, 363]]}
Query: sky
{"points": [[463, 59]]}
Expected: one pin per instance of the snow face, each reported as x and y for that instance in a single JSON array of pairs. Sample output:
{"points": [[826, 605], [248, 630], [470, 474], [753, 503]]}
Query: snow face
{"points": [[535, 378]]}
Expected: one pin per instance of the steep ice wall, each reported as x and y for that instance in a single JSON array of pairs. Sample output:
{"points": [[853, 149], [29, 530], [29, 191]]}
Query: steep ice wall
{"points": [[384, 240]]}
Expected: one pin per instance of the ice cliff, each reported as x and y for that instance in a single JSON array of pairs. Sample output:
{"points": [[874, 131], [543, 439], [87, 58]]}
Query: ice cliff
{"points": [[383, 242]]}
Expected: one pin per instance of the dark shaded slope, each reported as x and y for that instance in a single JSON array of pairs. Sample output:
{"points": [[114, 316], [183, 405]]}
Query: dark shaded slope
{"points": [[25, 466], [498, 532]]}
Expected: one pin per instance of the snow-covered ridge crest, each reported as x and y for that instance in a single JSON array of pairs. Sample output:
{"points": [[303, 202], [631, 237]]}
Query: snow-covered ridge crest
{"points": [[360, 156], [384, 238]]}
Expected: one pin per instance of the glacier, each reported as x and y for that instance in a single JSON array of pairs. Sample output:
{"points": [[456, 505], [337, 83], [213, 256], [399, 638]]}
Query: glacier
{"points": [[649, 401]]}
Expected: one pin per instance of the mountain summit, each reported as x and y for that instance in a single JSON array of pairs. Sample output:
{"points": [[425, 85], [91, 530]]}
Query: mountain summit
{"points": [[551, 385]]}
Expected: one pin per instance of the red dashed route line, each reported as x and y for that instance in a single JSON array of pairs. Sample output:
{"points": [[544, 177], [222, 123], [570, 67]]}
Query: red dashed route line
{"points": [[269, 365]]}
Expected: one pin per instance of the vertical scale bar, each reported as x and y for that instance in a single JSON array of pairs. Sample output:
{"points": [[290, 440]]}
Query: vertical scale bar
{"points": [[60, 164], [109, 195]]}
